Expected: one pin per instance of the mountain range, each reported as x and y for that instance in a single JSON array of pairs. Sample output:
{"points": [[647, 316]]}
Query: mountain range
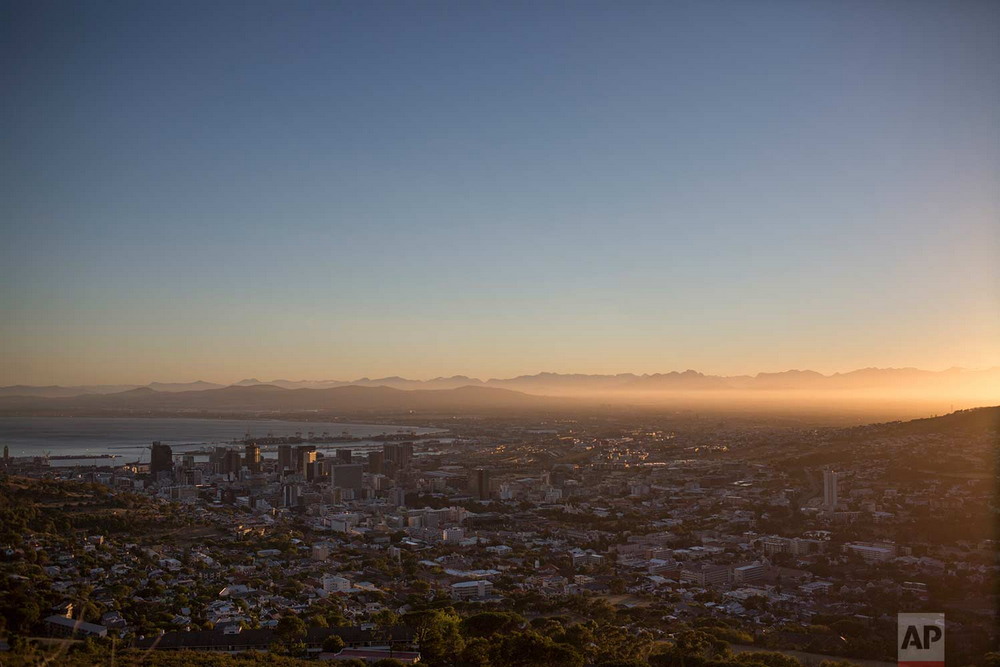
{"points": [[271, 398], [558, 384]]}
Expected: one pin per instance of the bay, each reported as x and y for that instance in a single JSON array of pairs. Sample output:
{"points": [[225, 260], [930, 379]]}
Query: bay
{"points": [[129, 438]]}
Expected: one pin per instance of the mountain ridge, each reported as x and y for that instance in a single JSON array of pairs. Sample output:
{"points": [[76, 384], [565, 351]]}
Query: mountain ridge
{"points": [[549, 383], [273, 398]]}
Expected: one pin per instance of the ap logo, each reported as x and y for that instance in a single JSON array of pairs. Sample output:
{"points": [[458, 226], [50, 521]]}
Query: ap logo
{"points": [[920, 640]]}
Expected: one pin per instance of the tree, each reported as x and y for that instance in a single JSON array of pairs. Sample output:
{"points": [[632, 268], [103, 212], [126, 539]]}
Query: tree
{"points": [[530, 649], [476, 652], [290, 626], [618, 644], [288, 635], [769, 658], [333, 644], [437, 634], [491, 623]]}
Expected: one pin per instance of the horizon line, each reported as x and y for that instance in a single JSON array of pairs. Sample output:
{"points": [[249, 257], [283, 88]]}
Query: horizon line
{"points": [[513, 377]]}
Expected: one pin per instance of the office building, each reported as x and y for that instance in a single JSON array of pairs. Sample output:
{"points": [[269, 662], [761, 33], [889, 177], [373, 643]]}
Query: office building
{"points": [[479, 483], [316, 470], [399, 454], [230, 462], [251, 456], [304, 455], [290, 495], [347, 476], [161, 459], [344, 456], [376, 461], [829, 489], [285, 461]]}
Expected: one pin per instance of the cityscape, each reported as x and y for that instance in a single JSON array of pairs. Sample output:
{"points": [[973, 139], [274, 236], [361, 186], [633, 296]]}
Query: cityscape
{"points": [[588, 539], [492, 333]]}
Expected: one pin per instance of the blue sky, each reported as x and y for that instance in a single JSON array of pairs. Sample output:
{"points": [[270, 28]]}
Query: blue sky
{"points": [[219, 190]]}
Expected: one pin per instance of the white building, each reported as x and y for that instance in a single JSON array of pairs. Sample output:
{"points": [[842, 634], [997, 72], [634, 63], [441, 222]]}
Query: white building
{"points": [[453, 535], [706, 575], [872, 553], [586, 558], [471, 590], [334, 584], [751, 572]]}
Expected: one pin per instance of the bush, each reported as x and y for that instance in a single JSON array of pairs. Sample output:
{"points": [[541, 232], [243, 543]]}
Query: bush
{"points": [[333, 644], [769, 658]]}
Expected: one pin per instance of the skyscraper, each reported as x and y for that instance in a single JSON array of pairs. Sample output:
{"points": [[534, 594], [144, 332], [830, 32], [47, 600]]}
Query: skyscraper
{"points": [[399, 454], [251, 456], [231, 462], [285, 458], [479, 483], [405, 454], [304, 456], [376, 461], [161, 459], [344, 455], [829, 489], [347, 476], [290, 495]]}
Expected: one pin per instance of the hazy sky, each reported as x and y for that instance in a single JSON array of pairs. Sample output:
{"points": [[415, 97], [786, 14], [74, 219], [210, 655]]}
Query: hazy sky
{"points": [[329, 190]]}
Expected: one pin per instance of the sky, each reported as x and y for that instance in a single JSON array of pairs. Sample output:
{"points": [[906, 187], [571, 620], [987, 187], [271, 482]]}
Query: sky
{"points": [[342, 189]]}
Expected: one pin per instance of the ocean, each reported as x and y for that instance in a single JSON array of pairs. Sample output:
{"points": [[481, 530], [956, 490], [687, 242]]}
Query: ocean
{"points": [[128, 439]]}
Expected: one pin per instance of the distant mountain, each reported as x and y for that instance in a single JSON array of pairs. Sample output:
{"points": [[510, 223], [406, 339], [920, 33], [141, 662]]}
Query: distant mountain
{"points": [[199, 385], [294, 384], [686, 381], [955, 381], [54, 390], [57, 391], [794, 379], [437, 383], [264, 397], [555, 383]]}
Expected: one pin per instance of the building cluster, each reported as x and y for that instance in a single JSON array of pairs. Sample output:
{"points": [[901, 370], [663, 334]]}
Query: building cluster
{"points": [[709, 526]]}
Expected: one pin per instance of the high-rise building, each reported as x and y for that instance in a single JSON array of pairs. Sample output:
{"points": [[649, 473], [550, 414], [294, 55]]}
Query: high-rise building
{"points": [[344, 455], [347, 476], [231, 462], [396, 496], [479, 483], [290, 495], [285, 461], [317, 470], [304, 456], [161, 459], [391, 452], [405, 454], [829, 489], [400, 454], [376, 462], [218, 459], [251, 456]]}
